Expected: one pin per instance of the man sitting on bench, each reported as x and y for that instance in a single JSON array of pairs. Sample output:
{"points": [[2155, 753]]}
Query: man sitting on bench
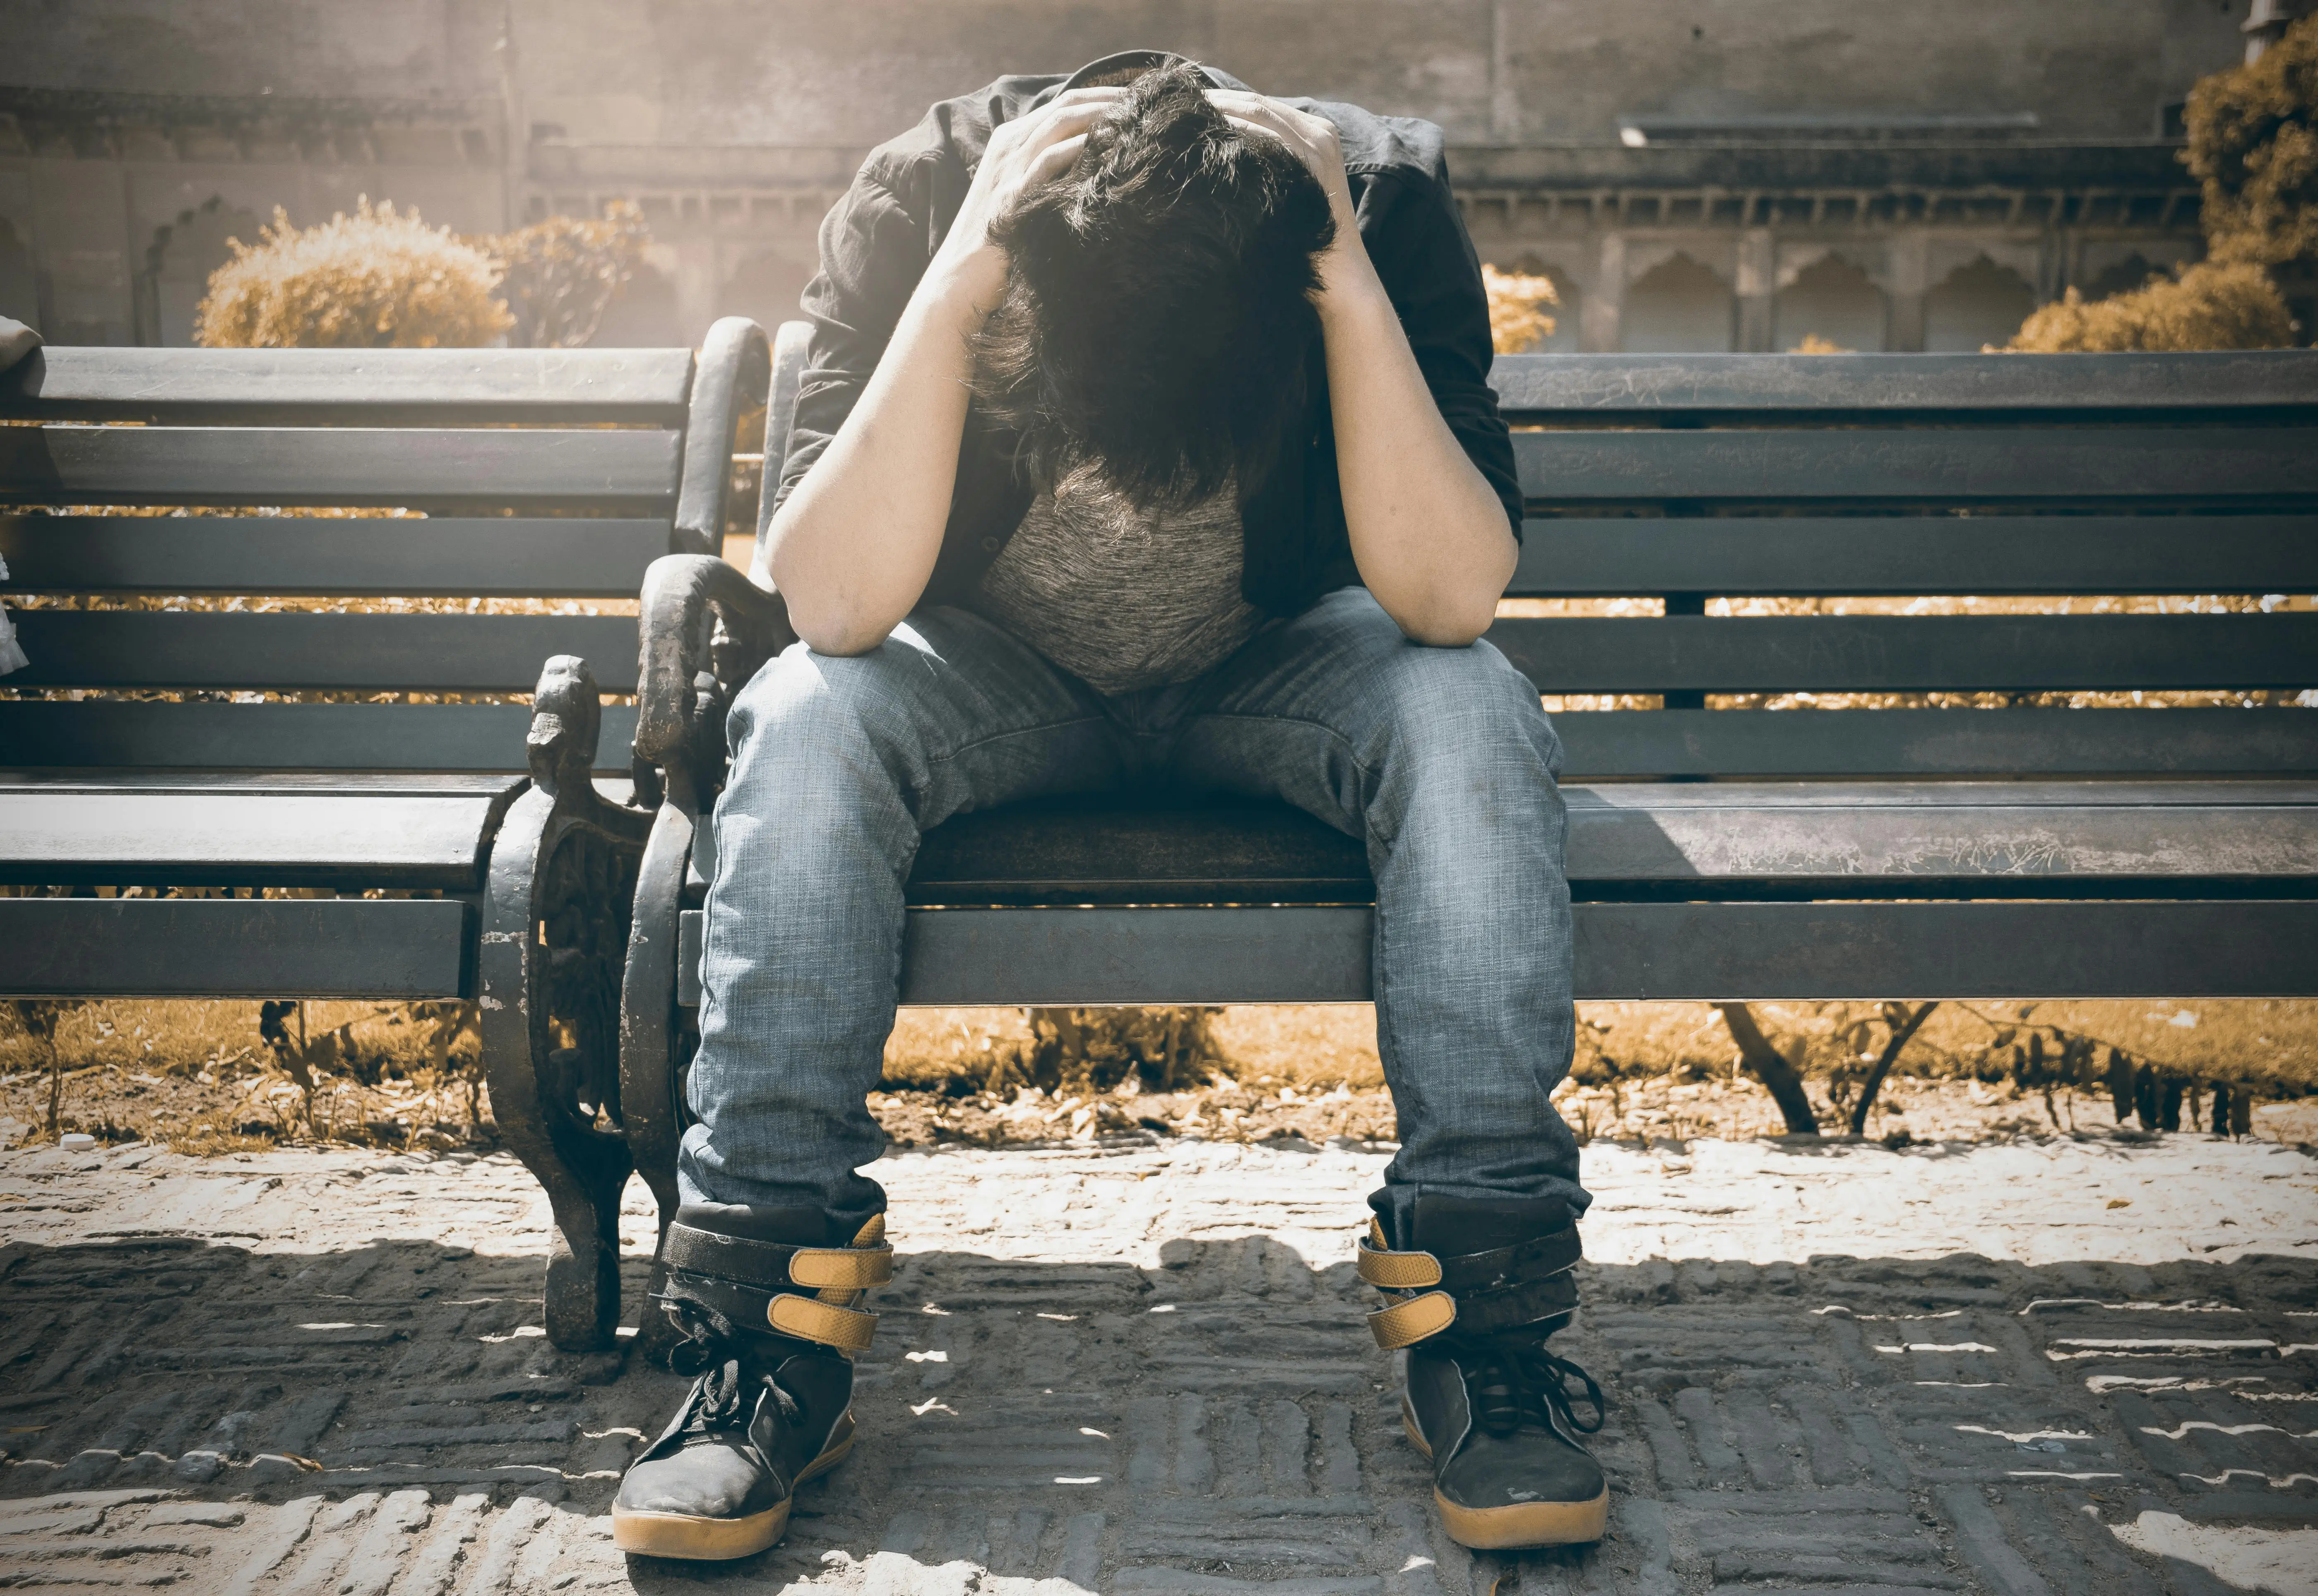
{"points": [[1146, 438]]}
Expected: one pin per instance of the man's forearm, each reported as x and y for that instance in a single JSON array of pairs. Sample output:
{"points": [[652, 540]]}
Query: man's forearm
{"points": [[855, 543], [1428, 533]]}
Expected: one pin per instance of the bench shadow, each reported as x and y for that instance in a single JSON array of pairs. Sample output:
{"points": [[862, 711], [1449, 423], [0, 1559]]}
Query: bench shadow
{"points": [[1219, 1418]]}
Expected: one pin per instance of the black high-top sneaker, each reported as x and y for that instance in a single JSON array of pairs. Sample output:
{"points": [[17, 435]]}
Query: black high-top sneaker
{"points": [[770, 1320], [1480, 1287]]}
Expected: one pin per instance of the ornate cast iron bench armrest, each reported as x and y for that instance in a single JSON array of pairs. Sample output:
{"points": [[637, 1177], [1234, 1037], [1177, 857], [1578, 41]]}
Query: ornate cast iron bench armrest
{"points": [[704, 629]]}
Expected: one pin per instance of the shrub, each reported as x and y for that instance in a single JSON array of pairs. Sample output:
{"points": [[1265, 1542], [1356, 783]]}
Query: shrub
{"points": [[2254, 147], [1517, 301], [2208, 306], [375, 280], [561, 274]]}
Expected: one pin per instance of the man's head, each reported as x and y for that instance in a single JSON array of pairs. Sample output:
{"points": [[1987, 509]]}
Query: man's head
{"points": [[1157, 308]]}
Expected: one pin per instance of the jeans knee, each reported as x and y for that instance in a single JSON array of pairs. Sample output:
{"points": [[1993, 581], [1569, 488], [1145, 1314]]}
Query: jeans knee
{"points": [[1452, 709], [805, 700]]}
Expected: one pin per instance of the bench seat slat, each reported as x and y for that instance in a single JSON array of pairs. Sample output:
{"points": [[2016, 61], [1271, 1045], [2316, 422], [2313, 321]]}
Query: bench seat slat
{"points": [[1909, 839], [385, 949], [284, 653], [50, 734], [1834, 555], [242, 834], [199, 465], [496, 384], [1910, 653], [490, 558], [1932, 465], [1648, 951], [1653, 386]]}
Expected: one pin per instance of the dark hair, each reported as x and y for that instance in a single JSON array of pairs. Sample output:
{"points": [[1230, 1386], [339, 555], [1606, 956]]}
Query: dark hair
{"points": [[1158, 306]]}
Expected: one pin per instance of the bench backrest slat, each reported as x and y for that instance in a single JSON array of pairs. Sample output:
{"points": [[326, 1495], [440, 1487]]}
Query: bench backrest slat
{"points": [[1850, 555], [486, 557], [119, 734], [1947, 466], [213, 651], [360, 466], [1816, 387], [314, 387]]}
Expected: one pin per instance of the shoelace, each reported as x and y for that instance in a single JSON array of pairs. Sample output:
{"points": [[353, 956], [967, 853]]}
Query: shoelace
{"points": [[1517, 1383], [723, 1386]]}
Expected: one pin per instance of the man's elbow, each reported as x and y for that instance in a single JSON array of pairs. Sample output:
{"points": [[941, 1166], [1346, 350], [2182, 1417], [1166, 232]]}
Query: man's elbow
{"points": [[833, 631]]}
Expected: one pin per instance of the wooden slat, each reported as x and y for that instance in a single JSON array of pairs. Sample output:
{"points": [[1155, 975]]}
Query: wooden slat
{"points": [[51, 734], [1938, 742], [285, 652], [1886, 653], [1651, 951], [1957, 465], [318, 385], [390, 949], [1652, 386], [1841, 839], [493, 558], [68, 834], [1751, 555], [198, 465]]}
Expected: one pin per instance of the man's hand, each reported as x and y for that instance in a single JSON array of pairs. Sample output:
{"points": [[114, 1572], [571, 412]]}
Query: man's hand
{"points": [[1313, 140], [1021, 154]]}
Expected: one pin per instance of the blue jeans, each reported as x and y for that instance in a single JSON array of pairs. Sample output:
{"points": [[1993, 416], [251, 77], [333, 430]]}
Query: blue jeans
{"points": [[1441, 760]]}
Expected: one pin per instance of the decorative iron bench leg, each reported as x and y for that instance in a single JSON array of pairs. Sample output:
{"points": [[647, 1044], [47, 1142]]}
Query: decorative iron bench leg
{"points": [[555, 931], [657, 1037]]}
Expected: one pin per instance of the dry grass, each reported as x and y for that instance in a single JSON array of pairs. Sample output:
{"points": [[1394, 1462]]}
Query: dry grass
{"points": [[199, 1078]]}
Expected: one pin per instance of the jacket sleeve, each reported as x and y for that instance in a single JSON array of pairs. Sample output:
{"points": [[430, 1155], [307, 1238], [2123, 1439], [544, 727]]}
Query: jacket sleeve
{"points": [[1410, 225], [874, 248]]}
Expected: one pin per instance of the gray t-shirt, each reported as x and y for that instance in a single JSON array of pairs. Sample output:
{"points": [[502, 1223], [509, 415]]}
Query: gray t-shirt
{"points": [[1120, 598]]}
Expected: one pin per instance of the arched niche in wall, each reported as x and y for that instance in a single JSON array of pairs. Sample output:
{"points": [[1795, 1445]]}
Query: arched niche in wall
{"points": [[178, 264], [20, 289], [643, 316], [1977, 304], [1677, 307], [1570, 297], [1834, 301]]}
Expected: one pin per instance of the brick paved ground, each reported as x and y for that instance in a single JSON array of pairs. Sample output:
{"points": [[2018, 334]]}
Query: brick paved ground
{"points": [[2015, 1369]]}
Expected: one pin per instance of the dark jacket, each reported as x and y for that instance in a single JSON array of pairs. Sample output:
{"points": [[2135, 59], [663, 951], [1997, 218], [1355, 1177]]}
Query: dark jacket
{"points": [[875, 245]]}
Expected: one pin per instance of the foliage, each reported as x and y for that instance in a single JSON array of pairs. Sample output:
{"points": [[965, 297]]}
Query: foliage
{"points": [[2208, 306], [1813, 343], [1517, 301], [375, 280], [2254, 147], [561, 274]]}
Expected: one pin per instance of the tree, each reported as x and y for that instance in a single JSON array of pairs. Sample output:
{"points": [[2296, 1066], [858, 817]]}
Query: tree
{"points": [[2254, 149], [561, 274], [375, 280], [1517, 302], [2207, 305]]}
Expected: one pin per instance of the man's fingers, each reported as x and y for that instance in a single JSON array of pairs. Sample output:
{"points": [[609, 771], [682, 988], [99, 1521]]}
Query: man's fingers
{"points": [[1056, 159]]}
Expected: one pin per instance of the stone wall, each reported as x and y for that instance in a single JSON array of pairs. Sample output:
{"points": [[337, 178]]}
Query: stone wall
{"points": [[1744, 139]]}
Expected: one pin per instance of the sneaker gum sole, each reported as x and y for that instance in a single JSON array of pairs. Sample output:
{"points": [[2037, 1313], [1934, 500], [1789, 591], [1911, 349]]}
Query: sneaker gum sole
{"points": [[1520, 1527], [695, 1540]]}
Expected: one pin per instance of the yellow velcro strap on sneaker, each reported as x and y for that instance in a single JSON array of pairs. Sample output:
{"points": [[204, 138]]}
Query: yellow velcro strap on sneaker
{"points": [[854, 1268], [1404, 1324], [1398, 1271], [845, 1329]]}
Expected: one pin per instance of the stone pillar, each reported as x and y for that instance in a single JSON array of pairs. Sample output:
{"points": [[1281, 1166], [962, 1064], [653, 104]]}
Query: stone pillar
{"points": [[1758, 281], [1907, 254], [1597, 319]]}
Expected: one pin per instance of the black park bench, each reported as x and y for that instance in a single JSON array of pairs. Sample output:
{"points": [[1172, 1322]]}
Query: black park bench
{"points": [[1752, 814], [361, 805]]}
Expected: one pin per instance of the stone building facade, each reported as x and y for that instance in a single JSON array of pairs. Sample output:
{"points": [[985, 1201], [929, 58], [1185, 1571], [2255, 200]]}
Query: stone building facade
{"points": [[1692, 174]]}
